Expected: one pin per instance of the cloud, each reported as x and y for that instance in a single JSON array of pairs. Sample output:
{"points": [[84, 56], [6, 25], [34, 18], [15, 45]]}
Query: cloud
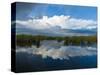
{"points": [[64, 22], [64, 52]]}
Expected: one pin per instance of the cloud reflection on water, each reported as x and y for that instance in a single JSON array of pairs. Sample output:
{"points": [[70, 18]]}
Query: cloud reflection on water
{"points": [[64, 52]]}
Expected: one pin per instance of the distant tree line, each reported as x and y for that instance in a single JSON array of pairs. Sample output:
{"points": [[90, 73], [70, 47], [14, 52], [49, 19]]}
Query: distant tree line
{"points": [[29, 40], [80, 40]]}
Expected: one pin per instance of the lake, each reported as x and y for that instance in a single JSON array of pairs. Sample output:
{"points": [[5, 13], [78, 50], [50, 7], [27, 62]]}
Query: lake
{"points": [[53, 55]]}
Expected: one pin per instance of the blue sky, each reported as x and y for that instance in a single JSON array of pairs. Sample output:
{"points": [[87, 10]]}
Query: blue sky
{"points": [[26, 10], [52, 19]]}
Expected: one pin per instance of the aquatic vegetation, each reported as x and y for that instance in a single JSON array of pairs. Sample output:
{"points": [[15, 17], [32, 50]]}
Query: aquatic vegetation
{"points": [[29, 40]]}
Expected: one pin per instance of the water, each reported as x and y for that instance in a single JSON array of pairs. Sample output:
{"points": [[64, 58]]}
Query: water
{"points": [[52, 55]]}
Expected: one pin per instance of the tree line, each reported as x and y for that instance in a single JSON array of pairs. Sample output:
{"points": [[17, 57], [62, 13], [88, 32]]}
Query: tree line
{"points": [[29, 40]]}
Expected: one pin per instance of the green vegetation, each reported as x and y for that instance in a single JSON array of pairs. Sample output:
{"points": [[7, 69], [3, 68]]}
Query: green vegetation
{"points": [[28, 40], [80, 40]]}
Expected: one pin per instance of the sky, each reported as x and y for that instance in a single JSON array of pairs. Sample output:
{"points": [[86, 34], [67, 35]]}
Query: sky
{"points": [[56, 17], [33, 10]]}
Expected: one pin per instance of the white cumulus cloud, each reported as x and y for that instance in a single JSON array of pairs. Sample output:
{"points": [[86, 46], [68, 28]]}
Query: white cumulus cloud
{"points": [[62, 21]]}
